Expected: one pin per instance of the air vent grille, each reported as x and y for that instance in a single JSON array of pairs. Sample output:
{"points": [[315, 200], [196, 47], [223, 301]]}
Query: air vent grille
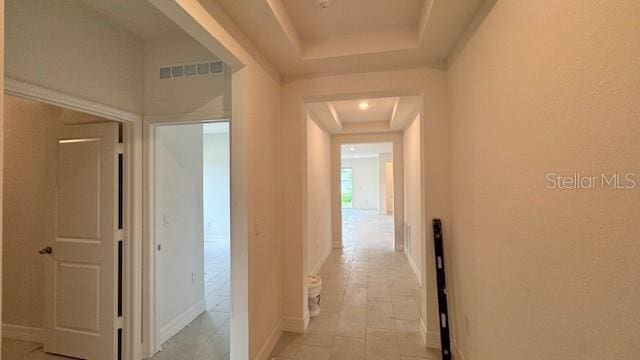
{"points": [[203, 68]]}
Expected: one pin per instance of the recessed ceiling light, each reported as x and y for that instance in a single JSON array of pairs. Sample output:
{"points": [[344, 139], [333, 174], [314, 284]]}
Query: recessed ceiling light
{"points": [[352, 148], [363, 105]]}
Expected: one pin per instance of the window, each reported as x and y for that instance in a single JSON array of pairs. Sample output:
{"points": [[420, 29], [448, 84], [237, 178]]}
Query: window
{"points": [[346, 181]]}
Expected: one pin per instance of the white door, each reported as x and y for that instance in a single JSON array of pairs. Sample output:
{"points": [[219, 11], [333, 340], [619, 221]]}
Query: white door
{"points": [[81, 279]]}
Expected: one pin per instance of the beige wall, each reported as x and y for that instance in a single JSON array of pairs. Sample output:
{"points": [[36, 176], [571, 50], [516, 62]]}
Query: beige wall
{"points": [[319, 185], [179, 228], [27, 129], [256, 273], [208, 95], [428, 82], [366, 182], [414, 242], [69, 47], [541, 273], [385, 181]]}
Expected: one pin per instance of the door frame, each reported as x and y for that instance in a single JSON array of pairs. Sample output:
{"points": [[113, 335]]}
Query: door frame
{"points": [[151, 343], [132, 142], [398, 180]]}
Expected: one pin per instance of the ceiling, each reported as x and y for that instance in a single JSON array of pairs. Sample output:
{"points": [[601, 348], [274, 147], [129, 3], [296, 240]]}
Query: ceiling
{"points": [[344, 17], [299, 37], [381, 114], [138, 17], [366, 150]]}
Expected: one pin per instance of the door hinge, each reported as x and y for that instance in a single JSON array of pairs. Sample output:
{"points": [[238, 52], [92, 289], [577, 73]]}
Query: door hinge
{"points": [[119, 148], [120, 235], [119, 322]]}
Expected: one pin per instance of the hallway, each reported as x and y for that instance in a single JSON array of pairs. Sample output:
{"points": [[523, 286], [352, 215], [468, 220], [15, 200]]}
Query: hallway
{"points": [[369, 300]]}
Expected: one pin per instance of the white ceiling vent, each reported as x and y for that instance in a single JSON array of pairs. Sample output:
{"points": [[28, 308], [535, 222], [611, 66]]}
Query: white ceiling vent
{"points": [[193, 69]]}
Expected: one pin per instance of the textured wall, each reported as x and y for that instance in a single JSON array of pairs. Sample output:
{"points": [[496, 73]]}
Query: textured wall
{"points": [[178, 202], [413, 196], [318, 181], [540, 273], [70, 47]]}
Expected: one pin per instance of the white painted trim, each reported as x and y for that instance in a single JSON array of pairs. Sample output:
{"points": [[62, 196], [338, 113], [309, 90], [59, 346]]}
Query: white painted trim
{"points": [[320, 262], [271, 342], [23, 333], [33, 92], [152, 335], [457, 352], [181, 321], [295, 324], [185, 118], [432, 340], [414, 267], [423, 330]]}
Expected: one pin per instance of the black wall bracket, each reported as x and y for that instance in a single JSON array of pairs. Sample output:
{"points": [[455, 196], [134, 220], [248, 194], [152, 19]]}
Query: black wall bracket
{"points": [[443, 309]]}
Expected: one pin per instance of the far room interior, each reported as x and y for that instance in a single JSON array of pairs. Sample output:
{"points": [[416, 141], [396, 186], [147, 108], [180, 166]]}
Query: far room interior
{"points": [[366, 185], [192, 237]]}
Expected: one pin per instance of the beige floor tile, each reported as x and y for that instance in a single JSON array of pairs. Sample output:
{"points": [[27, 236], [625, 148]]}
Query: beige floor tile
{"points": [[286, 346], [360, 283], [345, 348], [405, 307], [352, 322], [380, 315], [382, 344], [355, 297], [306, 352]]}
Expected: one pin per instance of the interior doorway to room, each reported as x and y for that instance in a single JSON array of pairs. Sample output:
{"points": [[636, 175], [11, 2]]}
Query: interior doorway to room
{"points": [[192, 239], [366, 185], [64, 217]]}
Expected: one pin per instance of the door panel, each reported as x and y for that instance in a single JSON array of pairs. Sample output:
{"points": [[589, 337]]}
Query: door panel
{"points": [[79, 189], [80, 270]]}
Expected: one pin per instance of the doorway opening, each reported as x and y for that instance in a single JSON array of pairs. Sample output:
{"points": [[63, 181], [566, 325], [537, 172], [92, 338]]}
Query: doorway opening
{"points": [[366, 185], [191, 211], [65, 214]]}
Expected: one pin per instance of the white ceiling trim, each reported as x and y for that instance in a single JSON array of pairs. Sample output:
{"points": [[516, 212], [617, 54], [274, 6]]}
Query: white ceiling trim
{"points": [[394, 112], [424, 19], [280, 13], [334, 113], [352, 44]]}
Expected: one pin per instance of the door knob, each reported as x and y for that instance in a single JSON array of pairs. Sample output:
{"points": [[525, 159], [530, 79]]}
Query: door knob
{"points": [[45, 250]]}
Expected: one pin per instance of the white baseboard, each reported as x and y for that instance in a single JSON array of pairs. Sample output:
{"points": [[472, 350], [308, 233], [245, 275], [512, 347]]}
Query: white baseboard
{"points": [[180, 321], [432, 340], [322, 259], [414, 267], [423, 330], [457, 353], [271, 342], [23, 333], [295, 324]]}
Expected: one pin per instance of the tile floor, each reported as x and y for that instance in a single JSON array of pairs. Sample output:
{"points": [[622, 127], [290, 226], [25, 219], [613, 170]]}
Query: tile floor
{"points": [[207, 337], [369, 307], [370, 299]]}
